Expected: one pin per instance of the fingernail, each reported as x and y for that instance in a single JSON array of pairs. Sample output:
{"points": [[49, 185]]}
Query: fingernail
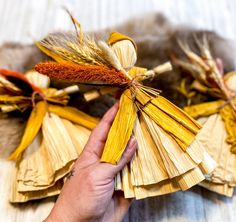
{"points": [[113, 109]]}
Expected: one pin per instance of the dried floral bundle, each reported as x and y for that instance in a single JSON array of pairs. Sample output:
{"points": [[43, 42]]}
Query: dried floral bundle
{"points": [[54, 135], [169, 156], [217, 115]]}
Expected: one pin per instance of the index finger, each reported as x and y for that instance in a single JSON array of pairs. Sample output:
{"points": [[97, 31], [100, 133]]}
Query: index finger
{"points": [[98, 136]]}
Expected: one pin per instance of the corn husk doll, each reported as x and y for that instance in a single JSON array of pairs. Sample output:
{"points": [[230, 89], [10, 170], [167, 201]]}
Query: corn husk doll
{"points": [[169, 156], [218, 115], [54, 135]]}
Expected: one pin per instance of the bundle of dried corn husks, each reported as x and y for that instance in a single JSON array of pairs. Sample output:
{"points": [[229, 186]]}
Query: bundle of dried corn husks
{"points": [[218, 117], [169, 155], [54, 134]]}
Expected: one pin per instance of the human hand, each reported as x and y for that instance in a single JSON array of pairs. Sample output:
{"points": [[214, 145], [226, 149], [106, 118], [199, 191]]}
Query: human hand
{"points": [[88, 195]]}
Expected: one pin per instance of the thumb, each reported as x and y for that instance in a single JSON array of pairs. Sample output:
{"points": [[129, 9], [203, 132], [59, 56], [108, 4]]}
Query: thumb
{"points": [[130, 149]]}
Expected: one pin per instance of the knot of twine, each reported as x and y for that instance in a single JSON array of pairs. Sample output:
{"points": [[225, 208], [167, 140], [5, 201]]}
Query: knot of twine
{"points": [[136, 85], [33, 97]]}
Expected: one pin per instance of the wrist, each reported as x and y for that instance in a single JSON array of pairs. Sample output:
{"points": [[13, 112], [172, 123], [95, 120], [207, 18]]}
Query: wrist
{"points": [[63, 217], [60, 216]]}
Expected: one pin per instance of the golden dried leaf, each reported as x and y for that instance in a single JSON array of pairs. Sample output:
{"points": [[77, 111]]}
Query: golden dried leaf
{"points": [[32, 127], [49, 52], [121, 129], [12, 99], [228, 115], [170, 118], [74, 115], [204, 109]]}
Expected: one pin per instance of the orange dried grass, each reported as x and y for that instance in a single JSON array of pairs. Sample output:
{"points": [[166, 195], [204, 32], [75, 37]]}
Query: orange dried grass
{"points": [[82, 73]]}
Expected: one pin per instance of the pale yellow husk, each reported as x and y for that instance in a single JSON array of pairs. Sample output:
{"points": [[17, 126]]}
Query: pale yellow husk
{"points": [[48, 159], [160, 166], [126, 53], [53, 141], [219, 126], [9, 85], [96, 93], [57, 152], [223, 189], [173, 120], [38, 79], [215, 143], [169, 156], [20, 197], [182, 182]]}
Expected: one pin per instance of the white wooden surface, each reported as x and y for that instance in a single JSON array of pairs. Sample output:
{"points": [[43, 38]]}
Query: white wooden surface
{"points": [[22, 20]]}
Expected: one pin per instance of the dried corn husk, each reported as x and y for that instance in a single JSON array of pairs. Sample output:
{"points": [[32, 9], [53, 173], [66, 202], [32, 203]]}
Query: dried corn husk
{"points": [[122, 127], [223, 189], [39, 171], [74, 115], [126, 53], [57, 149], [9, 86], [19, 197], [54, 136], [215, 142], [38, 80], [49, 158], [169, 156], [32, 127], [223, 178], [218, 117], [96, 93], [174, 170], [163, 132], [79, 134]]}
